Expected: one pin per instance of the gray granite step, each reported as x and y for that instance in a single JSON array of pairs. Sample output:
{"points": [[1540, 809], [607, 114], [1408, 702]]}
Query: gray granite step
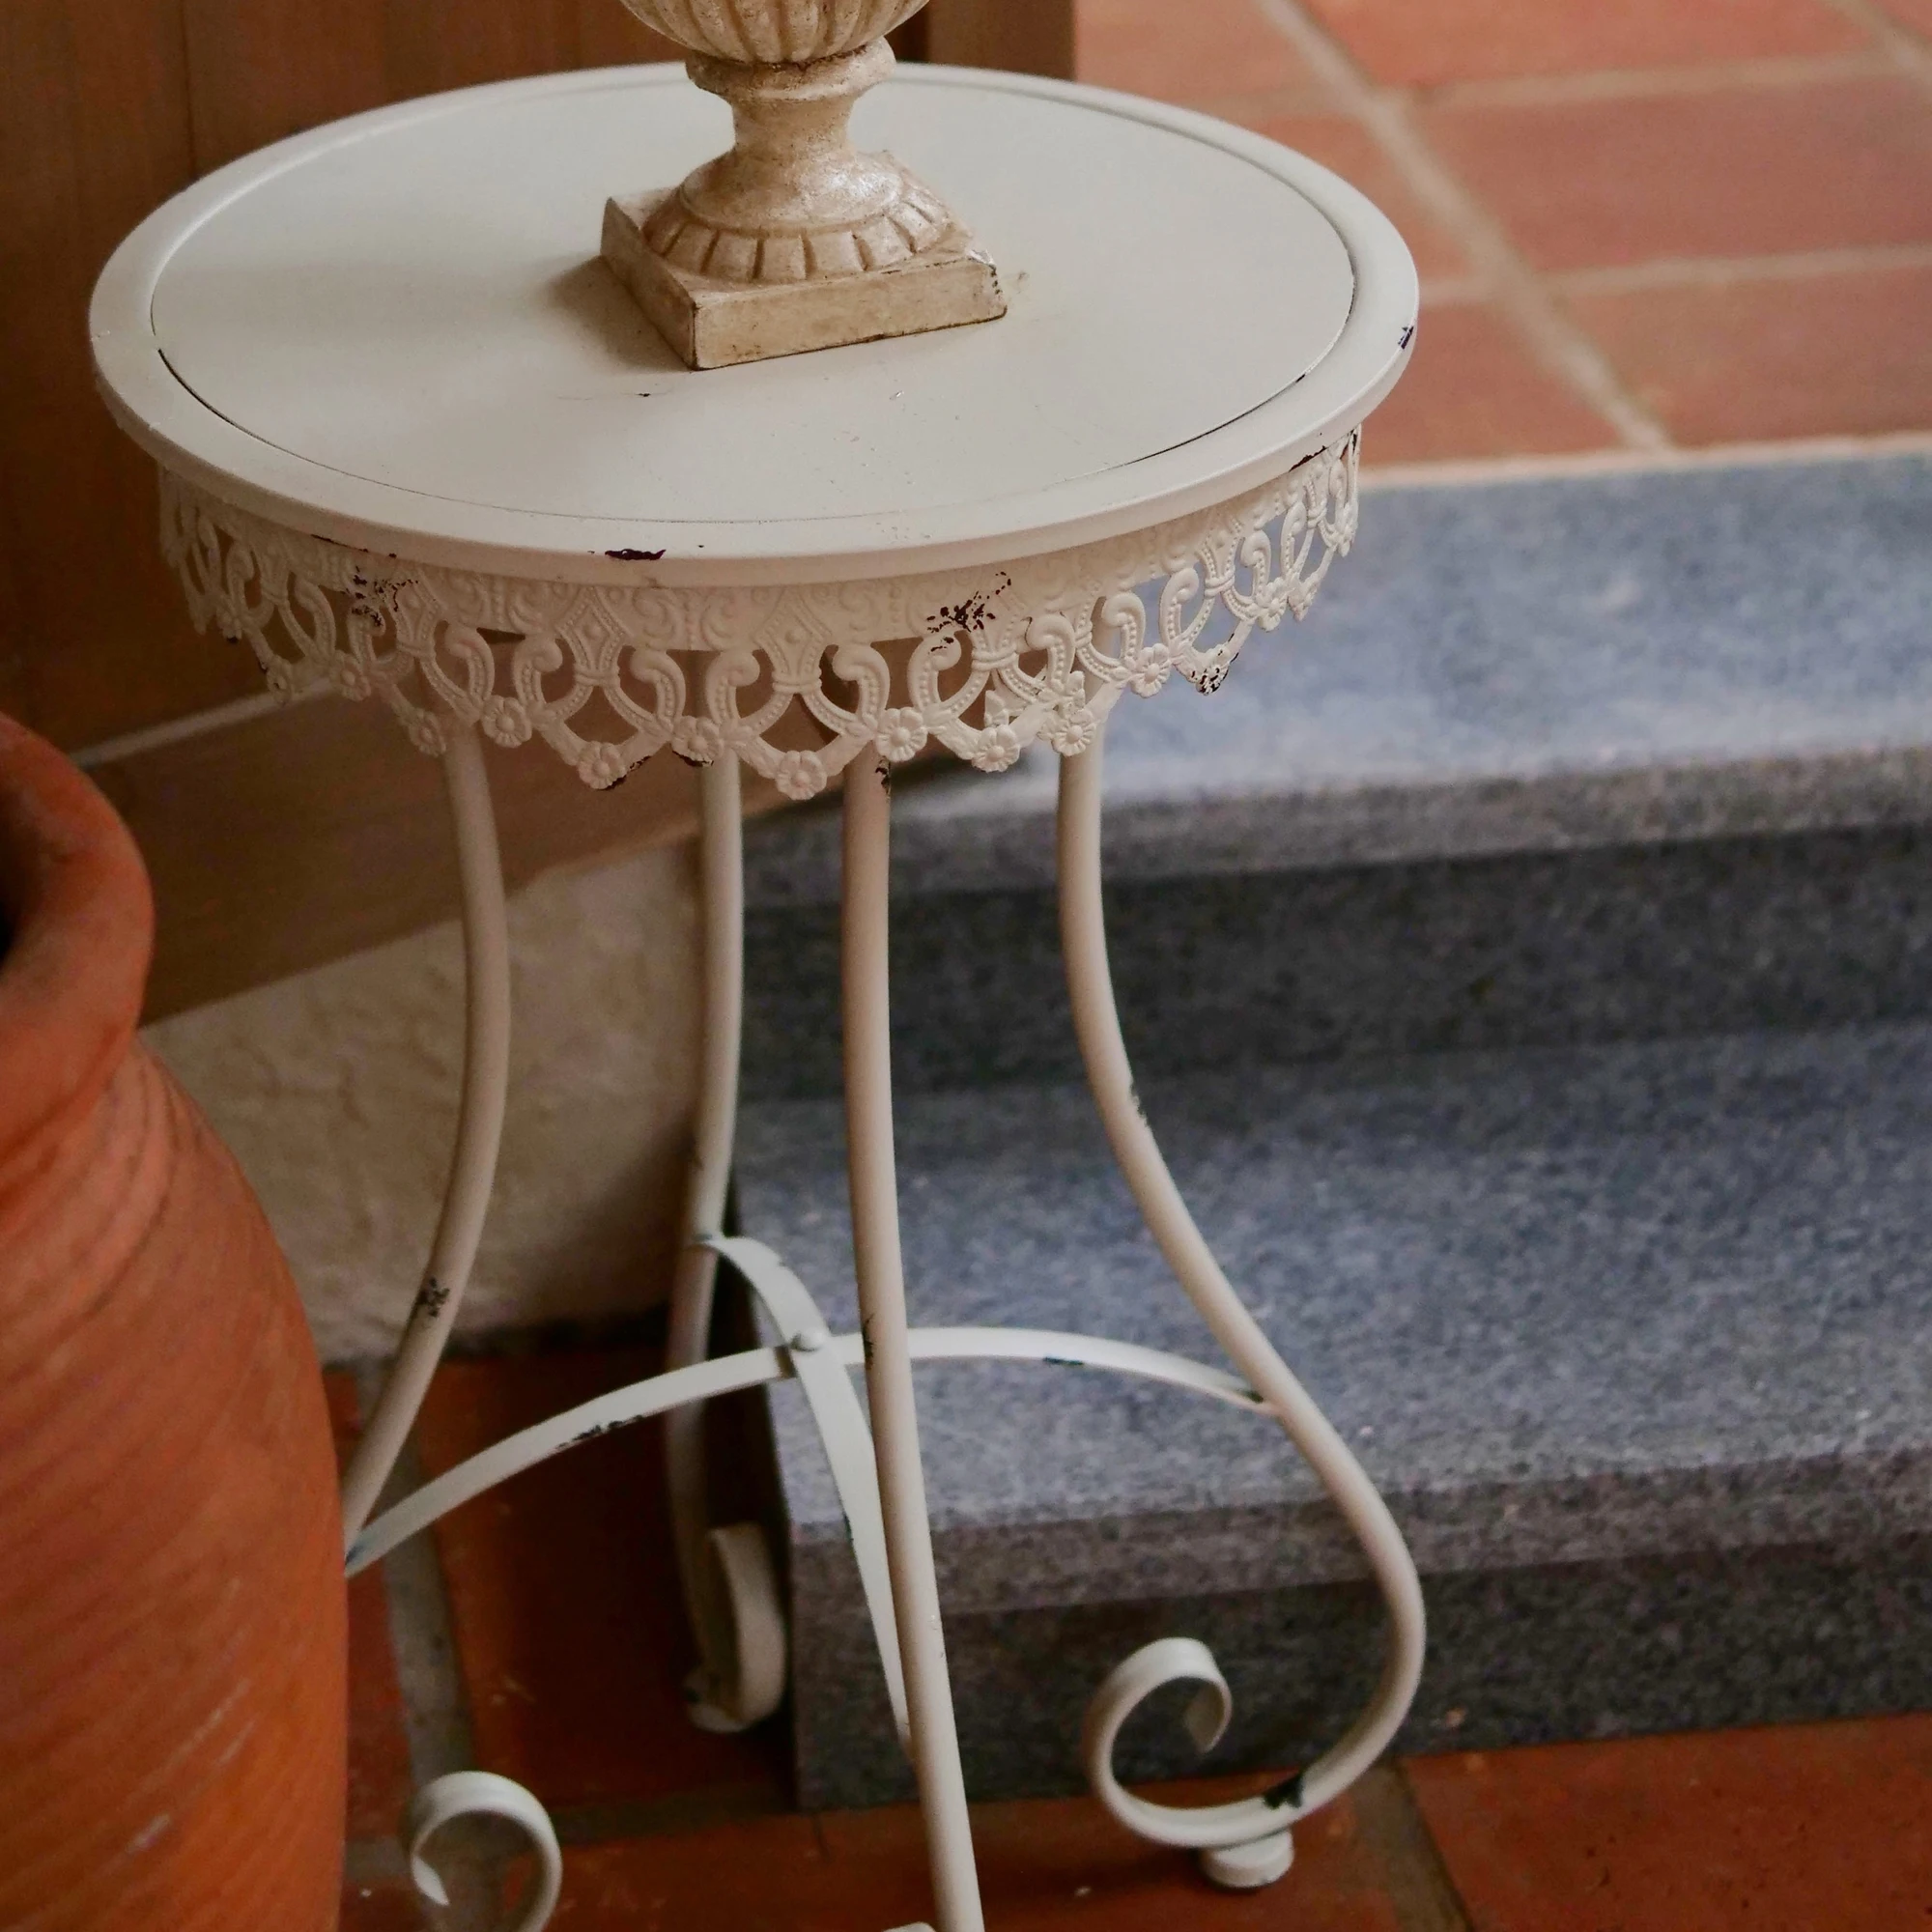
{"points": [[1634, 1338], [1528, 963], [1553, 761]]}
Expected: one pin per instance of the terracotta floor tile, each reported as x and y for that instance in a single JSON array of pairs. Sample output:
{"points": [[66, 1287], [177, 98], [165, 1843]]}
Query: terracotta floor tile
{"points": [[389, 1905], [1051, 1865], [1427, 43], [565, 1603], [378, 1747], [1473, 389], [1198, 52], [768, 1875], [1737, 171], [1340, 142], [1064, 1866], [1842, 355], [1814, 1827], [1913, 14]]}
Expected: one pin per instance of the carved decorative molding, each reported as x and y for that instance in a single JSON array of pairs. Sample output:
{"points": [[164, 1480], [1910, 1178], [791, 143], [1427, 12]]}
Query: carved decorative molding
{"points": [[795, 681], [774, 33], [793, 239]]}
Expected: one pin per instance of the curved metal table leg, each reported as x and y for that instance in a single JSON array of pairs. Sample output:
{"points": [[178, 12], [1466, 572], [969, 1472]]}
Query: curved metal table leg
{"points": [[1247, 1843], [479, 1132], [1228, 1828], [882, 1320], [1242, 1844], [731, 1586], [811, 1350], [466, 1202]]}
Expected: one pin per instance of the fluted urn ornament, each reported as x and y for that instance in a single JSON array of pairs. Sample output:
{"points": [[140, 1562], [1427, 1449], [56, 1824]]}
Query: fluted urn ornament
{"points": [[794, 239]]}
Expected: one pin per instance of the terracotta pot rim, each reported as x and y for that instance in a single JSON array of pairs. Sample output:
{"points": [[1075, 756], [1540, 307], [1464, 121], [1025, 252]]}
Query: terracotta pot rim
{"points": [[79, 930]]}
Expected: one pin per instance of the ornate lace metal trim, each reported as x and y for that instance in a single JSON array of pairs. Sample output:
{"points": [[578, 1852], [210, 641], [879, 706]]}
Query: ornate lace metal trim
{"points": [[795, 680]]}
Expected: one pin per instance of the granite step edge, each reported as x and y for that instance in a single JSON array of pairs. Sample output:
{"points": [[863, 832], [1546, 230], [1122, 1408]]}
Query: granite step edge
{"points": [[1758, 1554], [1616, 656], [1245, 829], [1532, 1656], [1839, 1502], [1706, 1257]]}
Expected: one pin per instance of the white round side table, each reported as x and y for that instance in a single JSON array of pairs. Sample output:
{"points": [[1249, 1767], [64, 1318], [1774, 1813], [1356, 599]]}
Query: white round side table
{"points": [[417, 444]]}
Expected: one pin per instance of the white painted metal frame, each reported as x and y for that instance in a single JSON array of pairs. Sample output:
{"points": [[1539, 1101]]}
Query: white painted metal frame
{"points": [[511, 573], [729, 1581]]}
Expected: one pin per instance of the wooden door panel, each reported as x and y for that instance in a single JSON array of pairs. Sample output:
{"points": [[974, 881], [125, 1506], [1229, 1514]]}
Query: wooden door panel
{"points": [[1024, 35], [439, 44], [260, 70], [93, 132]]}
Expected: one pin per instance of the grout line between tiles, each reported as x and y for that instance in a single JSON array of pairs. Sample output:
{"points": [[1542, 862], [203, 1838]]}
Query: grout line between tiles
{"points": [[1910, 53], [471, 1856], [436, 1710], [819, 1837], [1723, 272], [1405, 1851], [1453, 290], [1534, 308], [1639, 83], [1431, 1902]]}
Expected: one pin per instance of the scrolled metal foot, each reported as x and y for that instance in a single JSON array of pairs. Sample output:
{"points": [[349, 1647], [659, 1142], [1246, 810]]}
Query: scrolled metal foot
{"points": [[1243, 1845], [823, 1363], [747, 1682], [470, 1793], [1250, 1867], [1240, 1846]]}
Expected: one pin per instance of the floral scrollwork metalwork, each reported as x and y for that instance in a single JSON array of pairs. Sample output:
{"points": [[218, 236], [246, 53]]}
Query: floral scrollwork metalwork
{"points": [[795, 681]]}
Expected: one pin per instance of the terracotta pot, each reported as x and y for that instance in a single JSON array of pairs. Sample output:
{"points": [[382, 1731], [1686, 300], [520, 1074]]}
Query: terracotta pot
{"points": [[172, 1621]]}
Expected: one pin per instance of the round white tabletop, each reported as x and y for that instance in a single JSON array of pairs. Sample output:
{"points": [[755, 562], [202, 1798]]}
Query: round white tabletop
{"points": [[391, 343]]}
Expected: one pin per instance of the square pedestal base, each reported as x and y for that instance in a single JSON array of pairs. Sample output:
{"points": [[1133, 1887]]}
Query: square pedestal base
{"points": [[712, 324]]}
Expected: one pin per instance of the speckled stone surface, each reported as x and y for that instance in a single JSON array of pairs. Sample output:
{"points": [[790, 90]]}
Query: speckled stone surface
{"points": [[1618, 1326], [1549, 762], [1425, 933], [1536, 949], [1519, 667], [1531, 1656]]}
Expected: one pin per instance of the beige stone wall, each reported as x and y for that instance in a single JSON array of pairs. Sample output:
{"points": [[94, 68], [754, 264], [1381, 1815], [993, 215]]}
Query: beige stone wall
{"points": [[337, 1091]]}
